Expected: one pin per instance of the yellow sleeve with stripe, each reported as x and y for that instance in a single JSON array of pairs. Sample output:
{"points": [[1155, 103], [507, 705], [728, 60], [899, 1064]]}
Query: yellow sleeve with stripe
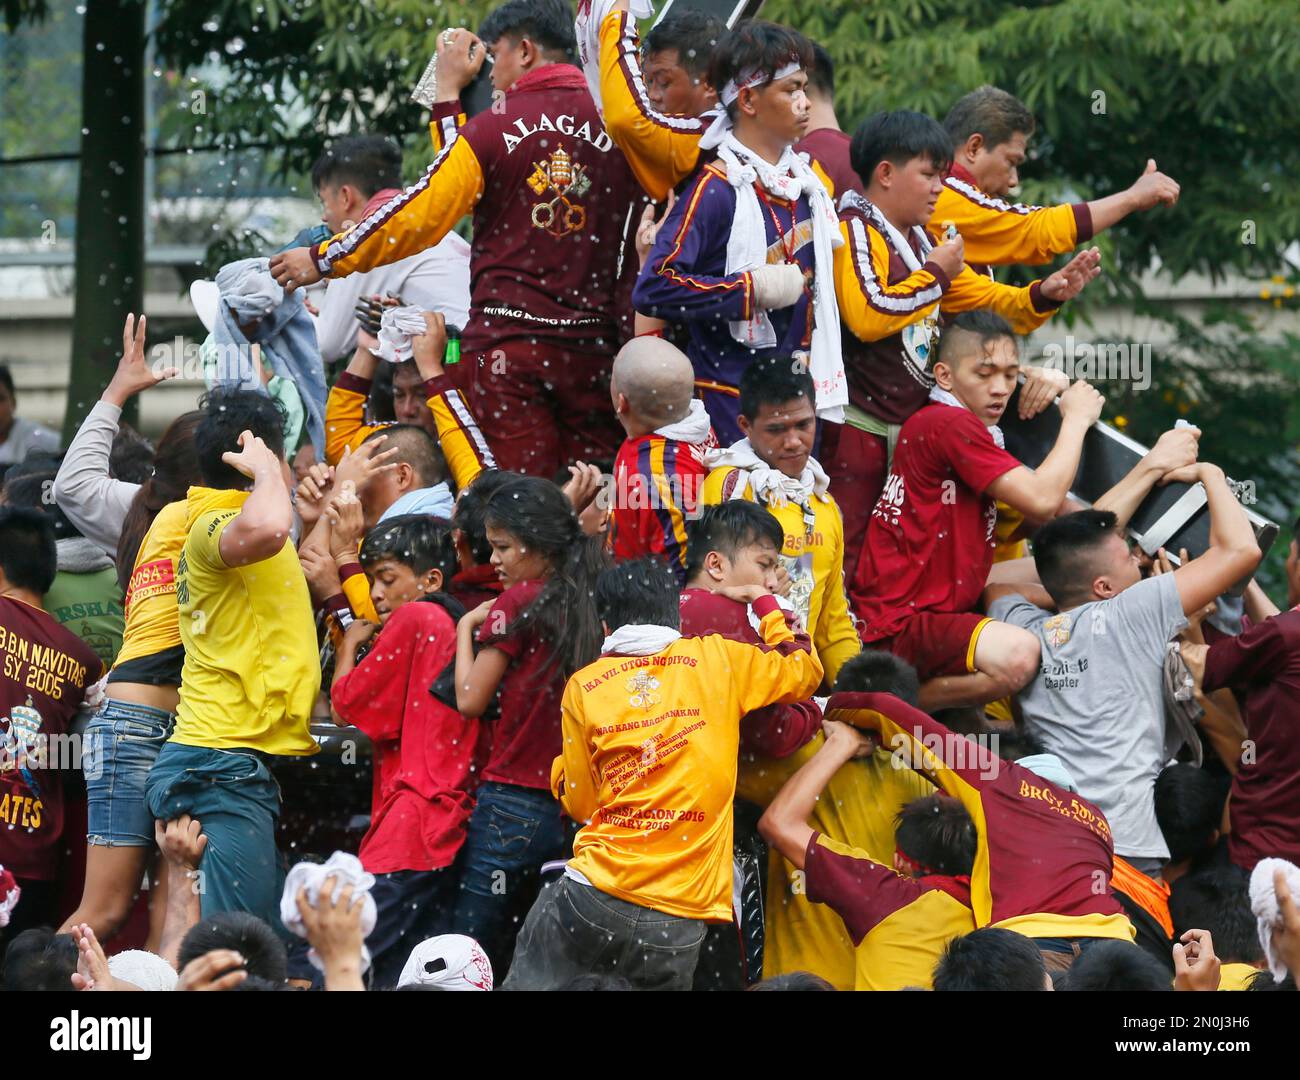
{"points": [[872, 308], [345, 411], [424, 213], [445, 120], [1025, 309], [463, 446], [662, 150], [998, 232]]}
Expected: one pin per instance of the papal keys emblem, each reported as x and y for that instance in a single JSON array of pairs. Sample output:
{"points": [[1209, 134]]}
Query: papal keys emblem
{"points": [[568, 180], [643, 686]]}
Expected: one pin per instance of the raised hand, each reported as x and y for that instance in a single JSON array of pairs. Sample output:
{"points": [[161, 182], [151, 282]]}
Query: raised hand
{"points": [[294, 268], [648, 228], [253, 456], [1153, 188], [1069, 281], [133, 374], [181, 840], [950, 256]]}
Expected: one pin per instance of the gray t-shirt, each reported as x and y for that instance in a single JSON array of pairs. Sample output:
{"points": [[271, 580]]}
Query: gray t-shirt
{"points": [[1097, 700]]}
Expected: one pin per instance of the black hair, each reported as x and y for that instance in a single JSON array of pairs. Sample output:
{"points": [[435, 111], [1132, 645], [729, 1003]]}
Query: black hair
{"points": [[821, 75], [30, 483], [421, 542], [774, 380], [728, 528], [130, 458], [990, 112], [39, 959], [548, 24], [175, 469], [472, 506], [563, 616], [937, 832], [594, 980], [29, 555], [1116, 965], [898, 137], [259, 983], [1064, 550], [416, 448], [1014, 744], [874, 671], [1189, 808], [7, 381], [639, 592], [793, 980], [263, 952], [693, 34], [756, 46], [227, 412], [987, 326], [1217, 899], [1263, 980], [991, 959], [369, 163]]}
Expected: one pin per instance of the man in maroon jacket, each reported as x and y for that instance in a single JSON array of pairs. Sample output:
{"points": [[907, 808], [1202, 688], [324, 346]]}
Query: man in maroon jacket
{"points": [[1262, 665], [552, 201]]}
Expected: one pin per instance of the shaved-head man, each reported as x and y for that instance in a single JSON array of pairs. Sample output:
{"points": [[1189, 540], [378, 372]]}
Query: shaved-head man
{"points": [[660, 466]]}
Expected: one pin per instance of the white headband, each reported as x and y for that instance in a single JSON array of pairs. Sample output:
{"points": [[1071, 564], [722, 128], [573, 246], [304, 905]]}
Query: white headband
{"points": [[755, 77]]}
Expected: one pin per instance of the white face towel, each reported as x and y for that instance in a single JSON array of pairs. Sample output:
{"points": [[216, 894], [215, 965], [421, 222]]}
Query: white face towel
{"points": [[694, 427], [397, 325], [1263, 902], [639, 639], [346, 870], [770, 485], [790, 178]]}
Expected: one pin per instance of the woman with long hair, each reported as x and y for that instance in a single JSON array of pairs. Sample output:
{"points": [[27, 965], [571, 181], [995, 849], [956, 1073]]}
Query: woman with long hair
{"points": [[146, 533], [538, 632]]}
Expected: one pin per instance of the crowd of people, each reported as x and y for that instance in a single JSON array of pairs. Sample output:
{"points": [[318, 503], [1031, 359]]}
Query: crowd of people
{"points": [[662, 544]]}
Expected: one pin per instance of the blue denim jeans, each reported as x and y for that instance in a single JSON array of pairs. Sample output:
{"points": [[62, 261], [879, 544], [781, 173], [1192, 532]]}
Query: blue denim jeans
{"points": [[237, 801], [575, 929], [122, 742], [512, 832]]}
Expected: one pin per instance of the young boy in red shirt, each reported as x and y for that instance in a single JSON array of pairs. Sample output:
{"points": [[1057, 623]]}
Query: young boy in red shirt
{"points": [[929, 544], [424, 750]]}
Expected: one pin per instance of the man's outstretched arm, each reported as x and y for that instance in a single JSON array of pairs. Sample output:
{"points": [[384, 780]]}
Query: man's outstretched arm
{"points": [[784, 824]]}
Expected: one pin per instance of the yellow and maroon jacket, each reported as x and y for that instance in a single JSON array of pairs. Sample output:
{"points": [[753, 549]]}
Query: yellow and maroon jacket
{"points": [[1045, 857], [552, 203], [997, 232]]}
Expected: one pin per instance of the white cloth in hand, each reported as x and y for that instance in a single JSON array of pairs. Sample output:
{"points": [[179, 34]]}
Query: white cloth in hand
{"points": [[346, 870], [397, 326]]}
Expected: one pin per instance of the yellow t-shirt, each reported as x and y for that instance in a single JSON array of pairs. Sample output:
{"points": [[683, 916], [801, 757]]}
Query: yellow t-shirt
{"points": [[151, 624], [1236, 976], [859, 804], [815, 562], [649, 761], [252, 670]]}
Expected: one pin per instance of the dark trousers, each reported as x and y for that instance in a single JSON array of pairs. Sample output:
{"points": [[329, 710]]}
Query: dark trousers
{"points": [[575, 929], [542, 406], [512, 832]]}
